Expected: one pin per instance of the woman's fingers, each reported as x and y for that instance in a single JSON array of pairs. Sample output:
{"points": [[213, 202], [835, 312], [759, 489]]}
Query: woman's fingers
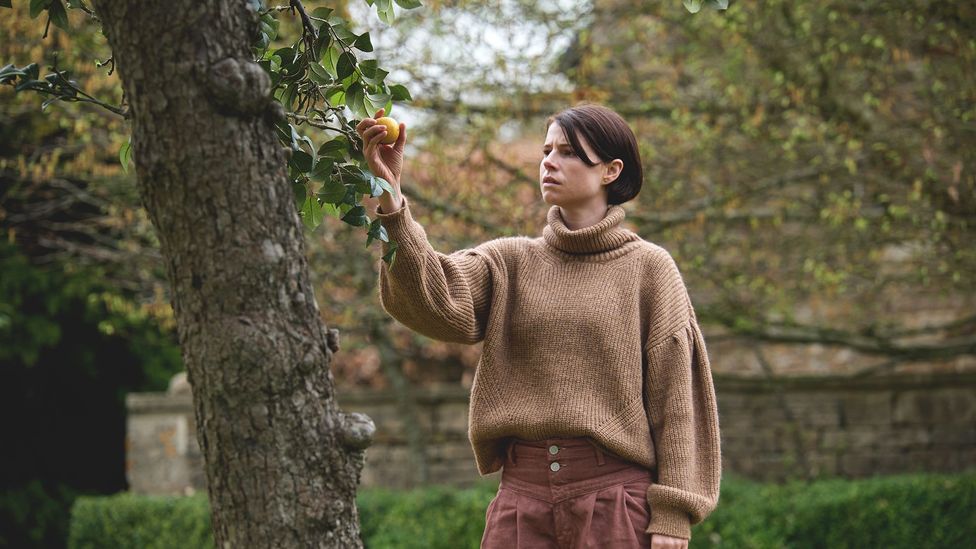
{"points": [[401, 138], [374, 131]]}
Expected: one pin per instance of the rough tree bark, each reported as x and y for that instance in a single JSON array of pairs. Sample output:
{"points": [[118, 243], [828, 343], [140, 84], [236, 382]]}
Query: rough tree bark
{"points": [[282, 461]]}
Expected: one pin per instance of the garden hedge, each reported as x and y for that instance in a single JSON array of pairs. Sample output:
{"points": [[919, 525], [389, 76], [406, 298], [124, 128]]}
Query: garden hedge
{"points": [[922, 510]]}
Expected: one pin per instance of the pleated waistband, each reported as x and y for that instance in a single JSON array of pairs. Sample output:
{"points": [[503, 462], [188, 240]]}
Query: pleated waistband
{"points": [[559, 468]]}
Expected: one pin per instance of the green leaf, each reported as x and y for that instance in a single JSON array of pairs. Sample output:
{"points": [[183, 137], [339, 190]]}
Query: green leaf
{"points": [[33, 71], [335, 149], [323, 42], [385, 185], [363, 43], [387, 16], [333, 191], [718, 4], [364, 185], [342, 32], [269, 26], [10, 72], [331, 59], [335, 95], [125, 156], [287, 56], [58, 15], [295, 138], [319, 75], [390, 256], [301, 161], [356, 216], [37, 6], [357, 177], [331, 209], [321, 13], [374, 102], [311, 213], [409, 4], [299, 191], [371, 72], [400, 93], [287, 96], [38, 85], [354, 100], [693, 6], [368, 67], [323, 169], [346, 65], [376, 230]]}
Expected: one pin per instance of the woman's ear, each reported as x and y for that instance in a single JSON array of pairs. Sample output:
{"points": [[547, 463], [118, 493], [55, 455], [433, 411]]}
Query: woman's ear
{"points": [[614, 168]]}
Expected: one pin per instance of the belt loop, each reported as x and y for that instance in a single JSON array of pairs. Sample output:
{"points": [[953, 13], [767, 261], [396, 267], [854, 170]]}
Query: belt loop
{"points": [[510, 451], [598, 451]]}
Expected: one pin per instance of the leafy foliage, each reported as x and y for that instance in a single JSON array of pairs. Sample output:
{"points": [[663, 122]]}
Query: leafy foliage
{"points": [[319, 79], [133, 521], [808, 165], [897, 512], [70, 348]]}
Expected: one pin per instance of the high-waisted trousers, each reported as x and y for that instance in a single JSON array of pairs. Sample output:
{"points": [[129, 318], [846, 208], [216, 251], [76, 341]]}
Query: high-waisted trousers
{"points": [[567, 493]]}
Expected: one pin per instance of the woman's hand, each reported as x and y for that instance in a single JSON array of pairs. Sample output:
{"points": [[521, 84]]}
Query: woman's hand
{"points": [[384, 161], [660, 541]]}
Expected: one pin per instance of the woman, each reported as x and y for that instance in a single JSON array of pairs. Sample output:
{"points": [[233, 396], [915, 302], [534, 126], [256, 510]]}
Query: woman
{"points": [[593, 394]]}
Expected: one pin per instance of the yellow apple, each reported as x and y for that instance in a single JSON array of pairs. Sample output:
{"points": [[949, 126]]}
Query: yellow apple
{"points": [[392, 129]]}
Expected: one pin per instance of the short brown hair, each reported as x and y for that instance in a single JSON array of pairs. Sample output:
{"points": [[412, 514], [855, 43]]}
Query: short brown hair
{"points": [[610, 137]]}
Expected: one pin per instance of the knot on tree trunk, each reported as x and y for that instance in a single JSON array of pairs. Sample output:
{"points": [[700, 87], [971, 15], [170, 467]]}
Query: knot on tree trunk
{"points": [[239, 86], [356, 430], [332, 340]]}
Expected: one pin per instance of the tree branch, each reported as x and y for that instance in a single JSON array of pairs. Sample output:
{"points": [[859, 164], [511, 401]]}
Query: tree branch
{"points": [[866, 343]]}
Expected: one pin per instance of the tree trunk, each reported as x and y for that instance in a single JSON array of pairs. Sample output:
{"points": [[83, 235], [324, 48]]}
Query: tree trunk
{"points": [[282, 461]]}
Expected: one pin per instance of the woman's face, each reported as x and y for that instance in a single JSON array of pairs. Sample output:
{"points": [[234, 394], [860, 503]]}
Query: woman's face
{"points": [[564, 178]]}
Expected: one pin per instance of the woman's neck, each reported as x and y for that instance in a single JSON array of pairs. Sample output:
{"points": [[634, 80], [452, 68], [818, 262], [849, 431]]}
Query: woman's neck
{"points": [[580, 217]]}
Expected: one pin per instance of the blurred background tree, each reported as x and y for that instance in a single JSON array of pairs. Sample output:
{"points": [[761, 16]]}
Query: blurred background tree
{"points": [[810, 166]]}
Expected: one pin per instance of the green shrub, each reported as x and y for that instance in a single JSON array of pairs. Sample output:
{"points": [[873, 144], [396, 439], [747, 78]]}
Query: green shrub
{"points": [[71, 347], [892, 512], [921, 510], [902, 511], [126, 521], [35, 514], [432, 518]]}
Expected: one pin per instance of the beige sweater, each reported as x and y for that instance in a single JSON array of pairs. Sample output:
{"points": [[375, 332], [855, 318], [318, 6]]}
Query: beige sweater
{"points": [[586, 333]]}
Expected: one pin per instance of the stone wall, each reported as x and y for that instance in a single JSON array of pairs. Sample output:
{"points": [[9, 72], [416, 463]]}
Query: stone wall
{"points": [[784, 428], [848, 427]]}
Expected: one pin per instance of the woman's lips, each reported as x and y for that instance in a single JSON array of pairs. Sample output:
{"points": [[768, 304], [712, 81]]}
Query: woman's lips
{"points": [[549, 181]]}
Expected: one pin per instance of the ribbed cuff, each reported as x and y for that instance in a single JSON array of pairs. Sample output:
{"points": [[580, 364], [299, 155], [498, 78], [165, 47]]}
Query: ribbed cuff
{"points": [[669, 521], [401, 227], [403, 206]]}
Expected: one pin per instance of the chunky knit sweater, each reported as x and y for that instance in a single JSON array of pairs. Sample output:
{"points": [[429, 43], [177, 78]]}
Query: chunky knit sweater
{"points": [[586, 332]]}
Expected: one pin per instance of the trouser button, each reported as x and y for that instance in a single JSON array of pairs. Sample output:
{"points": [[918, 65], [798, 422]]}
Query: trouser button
{"points": [[554, 449], [554, 466]]}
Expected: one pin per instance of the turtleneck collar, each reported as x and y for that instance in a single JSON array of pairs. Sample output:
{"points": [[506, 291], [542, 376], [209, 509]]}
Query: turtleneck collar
{"points": [[604, 236]]}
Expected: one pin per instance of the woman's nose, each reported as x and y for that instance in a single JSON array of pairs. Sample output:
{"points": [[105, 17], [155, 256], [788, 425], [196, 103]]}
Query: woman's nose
{"points": [[548, 164]]}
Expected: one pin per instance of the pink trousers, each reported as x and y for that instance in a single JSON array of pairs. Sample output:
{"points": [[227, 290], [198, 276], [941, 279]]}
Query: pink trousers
{"points": [[567, 493]]}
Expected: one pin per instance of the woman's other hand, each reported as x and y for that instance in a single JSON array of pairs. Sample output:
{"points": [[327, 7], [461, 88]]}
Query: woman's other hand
{"points": [[384, 161], [660, 541]]}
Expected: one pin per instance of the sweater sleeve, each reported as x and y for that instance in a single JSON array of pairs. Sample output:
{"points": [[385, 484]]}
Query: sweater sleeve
{"points": [[445, 297], [683, 415]]}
